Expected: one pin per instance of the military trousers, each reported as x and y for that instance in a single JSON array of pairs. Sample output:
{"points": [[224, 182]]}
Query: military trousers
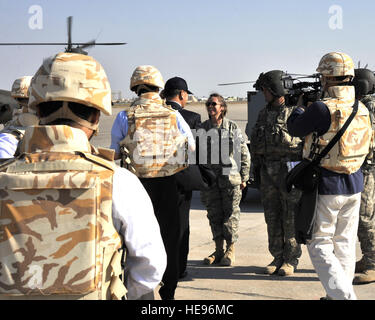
{"points": [[279, 210], [366, 226], [223, 211]]}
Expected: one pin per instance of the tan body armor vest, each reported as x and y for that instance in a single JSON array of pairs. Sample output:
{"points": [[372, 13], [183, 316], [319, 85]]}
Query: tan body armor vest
{"points": [[348, 154], [155, 146], [57, 239]]}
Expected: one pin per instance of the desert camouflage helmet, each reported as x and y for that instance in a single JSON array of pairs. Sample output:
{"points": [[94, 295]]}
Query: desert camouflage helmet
{"points": [[148, 75], [336, 64], [20, 87], [71, 77]]}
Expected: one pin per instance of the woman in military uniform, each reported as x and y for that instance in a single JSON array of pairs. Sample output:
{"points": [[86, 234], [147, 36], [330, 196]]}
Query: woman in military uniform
{"points": [[229, 158]]}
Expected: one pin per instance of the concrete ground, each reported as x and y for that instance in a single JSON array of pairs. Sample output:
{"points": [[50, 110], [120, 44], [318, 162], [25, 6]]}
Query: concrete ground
{"points": [[245, 280]]}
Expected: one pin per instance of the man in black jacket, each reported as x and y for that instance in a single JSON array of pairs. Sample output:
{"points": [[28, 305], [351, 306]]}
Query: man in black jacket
{"points": [[176, 94]]}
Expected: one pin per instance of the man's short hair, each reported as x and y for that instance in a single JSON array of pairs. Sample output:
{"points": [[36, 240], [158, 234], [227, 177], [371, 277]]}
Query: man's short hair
{"points": [[170, 94]]}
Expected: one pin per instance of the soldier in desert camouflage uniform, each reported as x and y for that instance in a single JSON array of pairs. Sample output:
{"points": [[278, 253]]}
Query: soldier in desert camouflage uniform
{"points": [[153, 137], [364, 83], [228, 156], [271, 148], [67, 210], [22, 117]]}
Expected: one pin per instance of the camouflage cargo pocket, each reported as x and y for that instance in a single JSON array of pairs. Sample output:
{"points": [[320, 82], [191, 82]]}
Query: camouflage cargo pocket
{"points": [[354, 142], [159, 142], [150, 131], [48, 231]]}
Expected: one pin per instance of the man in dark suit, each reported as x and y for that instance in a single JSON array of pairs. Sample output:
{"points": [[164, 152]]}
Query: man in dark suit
{"points": [[176, 94]]}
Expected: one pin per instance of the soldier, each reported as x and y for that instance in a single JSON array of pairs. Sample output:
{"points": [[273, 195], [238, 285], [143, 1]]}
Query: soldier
{"points": [[176, 94], [153, 137], [332, 247], [229, 158], [22, 117], [64, 224], [271, 149], [364, 83]]}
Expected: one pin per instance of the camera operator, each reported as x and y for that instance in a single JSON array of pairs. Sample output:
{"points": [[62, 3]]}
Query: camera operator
{"points": [[332, 247], [271, 149]]}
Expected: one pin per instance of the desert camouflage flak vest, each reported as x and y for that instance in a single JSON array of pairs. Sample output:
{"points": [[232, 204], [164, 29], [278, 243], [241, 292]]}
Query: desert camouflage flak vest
{"points": [[350, 151], [155, 146], [57, 239]]}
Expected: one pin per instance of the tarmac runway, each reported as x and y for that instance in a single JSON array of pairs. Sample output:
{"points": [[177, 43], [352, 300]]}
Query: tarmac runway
{"points": [[245, 280]]}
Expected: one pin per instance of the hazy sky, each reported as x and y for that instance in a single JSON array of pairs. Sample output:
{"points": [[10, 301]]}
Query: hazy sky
{"points": [[206, 42]]}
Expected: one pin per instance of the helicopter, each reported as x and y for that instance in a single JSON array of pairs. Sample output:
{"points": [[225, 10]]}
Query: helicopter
{"points": [[7, 103], [79, 46]]}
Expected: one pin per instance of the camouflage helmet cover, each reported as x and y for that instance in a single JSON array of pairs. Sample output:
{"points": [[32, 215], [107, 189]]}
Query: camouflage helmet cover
{"points": [[148, 75], [336, 64], [20, 87], [71, 77]]}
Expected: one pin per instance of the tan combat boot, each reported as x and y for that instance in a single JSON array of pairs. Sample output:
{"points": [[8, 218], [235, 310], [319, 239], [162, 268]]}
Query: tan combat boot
{"points": [[216, 256], [228, 258], [367, 276], [286, 269], [273, 266]]}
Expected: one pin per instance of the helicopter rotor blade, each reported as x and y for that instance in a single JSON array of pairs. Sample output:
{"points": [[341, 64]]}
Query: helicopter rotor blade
{"points": [[33, 44], [110, 43], [233, 83], [58, 43], [68, 45], [87, 44], [69, 21], [298, 74]]}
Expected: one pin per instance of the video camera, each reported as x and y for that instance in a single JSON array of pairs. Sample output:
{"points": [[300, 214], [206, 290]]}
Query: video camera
{"points": [[310, 91], [281, 83]]}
